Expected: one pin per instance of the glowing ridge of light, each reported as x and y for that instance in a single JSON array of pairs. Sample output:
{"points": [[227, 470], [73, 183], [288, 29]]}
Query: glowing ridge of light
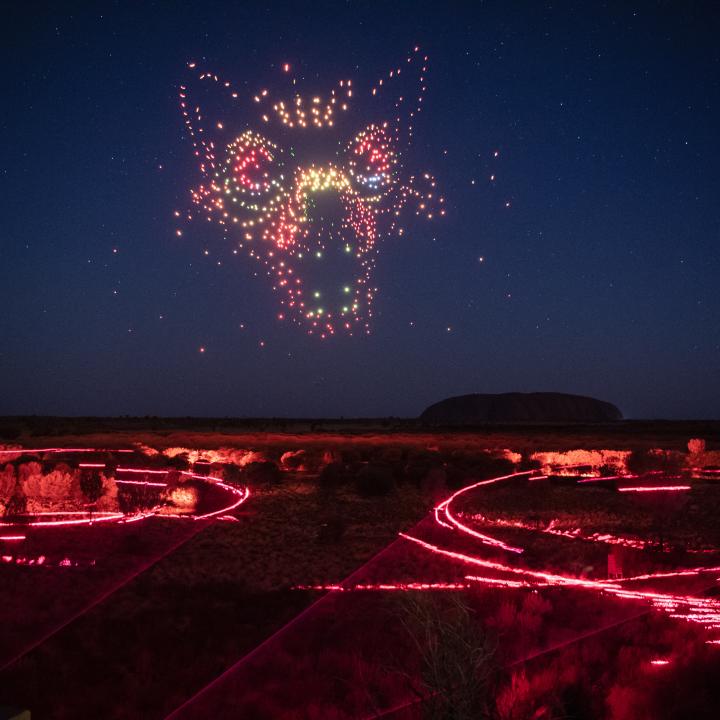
{"points": [[146, 483], [142, 471], [241, 493], [439, 521], [385, 587], [576, 534], [601, 478], [444, 507], [96, 518], [544, 577], [30, 451], [654, 488]]}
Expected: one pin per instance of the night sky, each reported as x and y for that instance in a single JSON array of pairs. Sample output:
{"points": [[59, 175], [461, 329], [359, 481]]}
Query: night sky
{"points": [[589, 265]]}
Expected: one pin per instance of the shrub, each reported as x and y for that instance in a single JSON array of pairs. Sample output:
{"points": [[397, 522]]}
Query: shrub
{"points": [[179, 461], [91, 485], [232, 474], [375, 481], [458, 663], [645, 461], [331, 477], [17, 504]]}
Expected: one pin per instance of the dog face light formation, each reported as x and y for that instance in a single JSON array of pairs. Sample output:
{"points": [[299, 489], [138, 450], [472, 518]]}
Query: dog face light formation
{"points": [[306, 192]]}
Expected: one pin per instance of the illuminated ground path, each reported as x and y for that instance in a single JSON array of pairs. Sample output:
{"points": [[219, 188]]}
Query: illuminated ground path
{"points": [[353, 656]]}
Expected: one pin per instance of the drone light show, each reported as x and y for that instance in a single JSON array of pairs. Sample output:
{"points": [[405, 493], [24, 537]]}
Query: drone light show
{"points": [[360, 360], [306, 192]]}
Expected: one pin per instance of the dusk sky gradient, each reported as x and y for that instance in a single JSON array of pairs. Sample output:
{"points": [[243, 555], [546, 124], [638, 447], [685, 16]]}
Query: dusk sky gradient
{"points": [[601, 278]]}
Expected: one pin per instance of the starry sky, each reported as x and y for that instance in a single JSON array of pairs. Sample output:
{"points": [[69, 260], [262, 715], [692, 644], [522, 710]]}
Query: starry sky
{"points": [[590, 264]]}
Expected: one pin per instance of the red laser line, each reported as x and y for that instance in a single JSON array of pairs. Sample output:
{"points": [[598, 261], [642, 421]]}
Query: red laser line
{"points": [[206, 688], [657, 488]]}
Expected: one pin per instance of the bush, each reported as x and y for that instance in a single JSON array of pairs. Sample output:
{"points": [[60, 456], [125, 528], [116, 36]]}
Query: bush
{"points": [[331, 477], [375, 481], [458, 659], [91, 485], [232, 474], [179, 462], [640, 462], [17, 504], [265, 472]]}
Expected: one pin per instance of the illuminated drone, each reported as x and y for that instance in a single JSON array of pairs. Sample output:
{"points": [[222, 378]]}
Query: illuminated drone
{"points": [[309, 205]]}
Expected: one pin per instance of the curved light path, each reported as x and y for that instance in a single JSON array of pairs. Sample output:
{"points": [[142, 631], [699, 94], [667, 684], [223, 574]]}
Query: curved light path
{"points": [[702, 610], [235, 496]]}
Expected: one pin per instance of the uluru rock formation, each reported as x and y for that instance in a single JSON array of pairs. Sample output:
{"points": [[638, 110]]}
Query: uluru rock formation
{"points": [[520, 407]]}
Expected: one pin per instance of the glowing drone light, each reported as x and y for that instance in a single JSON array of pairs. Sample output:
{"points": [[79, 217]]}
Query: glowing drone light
{"points": [[260, 194]]}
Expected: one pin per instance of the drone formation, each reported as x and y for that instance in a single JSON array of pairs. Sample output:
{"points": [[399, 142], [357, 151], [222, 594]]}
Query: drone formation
{"points": [[315, 225]]}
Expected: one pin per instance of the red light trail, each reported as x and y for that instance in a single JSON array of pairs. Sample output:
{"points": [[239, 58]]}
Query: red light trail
{"points": [[385, 587], [146, 483], [30, 451], [705, 611], [657, 488], [690, 608]]}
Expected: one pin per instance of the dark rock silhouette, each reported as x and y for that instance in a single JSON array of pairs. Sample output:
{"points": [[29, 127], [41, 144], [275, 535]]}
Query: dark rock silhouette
{"points": [[519, 407]]}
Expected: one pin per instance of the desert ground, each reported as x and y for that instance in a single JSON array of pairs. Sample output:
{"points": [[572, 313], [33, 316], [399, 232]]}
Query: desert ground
{"points": [[312, 569]]}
